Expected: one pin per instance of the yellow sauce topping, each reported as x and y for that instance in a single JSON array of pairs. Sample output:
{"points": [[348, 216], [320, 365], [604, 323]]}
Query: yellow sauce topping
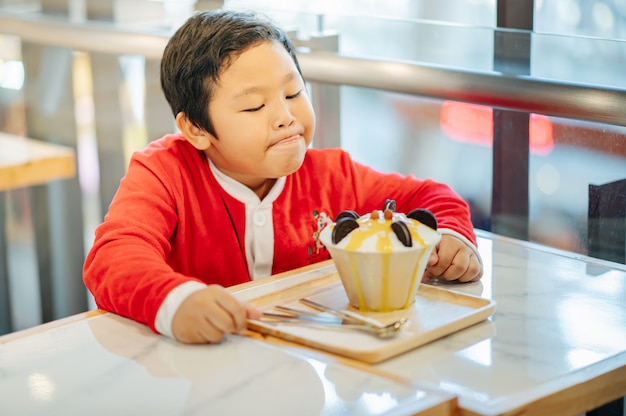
{"points": [[381, 228]]}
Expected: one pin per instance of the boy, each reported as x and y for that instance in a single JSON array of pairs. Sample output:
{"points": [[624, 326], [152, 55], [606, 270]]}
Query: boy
{"points": [[238, 194]]}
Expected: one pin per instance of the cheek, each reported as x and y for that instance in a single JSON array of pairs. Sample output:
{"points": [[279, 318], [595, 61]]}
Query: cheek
{"points": [[240, 130], [307, 117], [311, 128]]}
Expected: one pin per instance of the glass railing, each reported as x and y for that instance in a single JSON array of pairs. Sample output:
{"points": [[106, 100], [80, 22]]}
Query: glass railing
{"points": [[576, 41]]}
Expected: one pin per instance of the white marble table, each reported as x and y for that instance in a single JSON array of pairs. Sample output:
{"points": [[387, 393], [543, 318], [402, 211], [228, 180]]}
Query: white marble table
{"points": [[555, 345], [102, 364]]}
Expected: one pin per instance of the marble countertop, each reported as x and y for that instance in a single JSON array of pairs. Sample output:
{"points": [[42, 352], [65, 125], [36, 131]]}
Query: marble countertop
{"points": [[560, 322], [108, 365], [556, 344]]}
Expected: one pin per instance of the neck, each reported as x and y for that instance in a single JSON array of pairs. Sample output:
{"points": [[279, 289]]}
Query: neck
{"points": [[263, 188]]}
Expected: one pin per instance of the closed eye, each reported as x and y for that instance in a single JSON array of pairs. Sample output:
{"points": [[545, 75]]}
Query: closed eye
{"points": [[289, 97], [252, 110]]}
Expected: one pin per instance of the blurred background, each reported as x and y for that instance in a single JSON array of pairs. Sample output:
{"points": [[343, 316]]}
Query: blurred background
{"points": [[499, 113]]}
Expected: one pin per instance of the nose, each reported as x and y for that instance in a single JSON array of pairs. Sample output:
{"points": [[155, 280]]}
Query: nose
{"points": [[283, 116]]}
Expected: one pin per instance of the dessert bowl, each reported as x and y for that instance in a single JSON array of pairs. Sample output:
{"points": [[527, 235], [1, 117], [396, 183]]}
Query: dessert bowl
{"points": [[381, 256]]}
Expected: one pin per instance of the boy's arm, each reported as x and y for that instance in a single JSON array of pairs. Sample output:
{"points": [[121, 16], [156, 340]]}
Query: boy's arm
{"points": [[456, 256], [126, 269], [372, 187]]}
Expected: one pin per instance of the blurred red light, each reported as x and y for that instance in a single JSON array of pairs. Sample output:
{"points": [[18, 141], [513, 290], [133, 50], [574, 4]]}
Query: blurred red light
{"points": [[471, 123]]}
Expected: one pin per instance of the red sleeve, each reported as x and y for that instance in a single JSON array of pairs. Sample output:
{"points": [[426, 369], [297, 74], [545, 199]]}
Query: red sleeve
{"points": [[126, 269], [371, 187]]}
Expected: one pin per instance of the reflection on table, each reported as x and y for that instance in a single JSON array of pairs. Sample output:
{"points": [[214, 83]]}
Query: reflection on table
{"points": [[556, 343], [105, 364]]}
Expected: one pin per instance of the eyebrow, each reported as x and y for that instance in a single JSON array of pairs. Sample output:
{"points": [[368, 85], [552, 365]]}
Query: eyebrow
{"points": [[287, 78]]}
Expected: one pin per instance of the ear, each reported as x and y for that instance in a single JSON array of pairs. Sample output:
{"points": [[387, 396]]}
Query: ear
{"points": [[198, 137]]}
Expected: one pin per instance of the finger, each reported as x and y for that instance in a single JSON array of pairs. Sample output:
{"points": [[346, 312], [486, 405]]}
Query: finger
{"points": [[427, 275], [445, 256], [433, 258], [252, 312], [208, 332], [199, 330], [208, 323], [474, 270], [235, 314], [457, 267]]}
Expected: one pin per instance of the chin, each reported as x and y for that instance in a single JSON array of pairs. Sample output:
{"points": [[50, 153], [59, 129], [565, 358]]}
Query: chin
{"points": [[290, 166], [289, 163]]}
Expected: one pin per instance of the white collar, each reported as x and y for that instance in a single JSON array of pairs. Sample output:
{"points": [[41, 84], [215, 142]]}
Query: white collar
{"points": [[241, 192]]}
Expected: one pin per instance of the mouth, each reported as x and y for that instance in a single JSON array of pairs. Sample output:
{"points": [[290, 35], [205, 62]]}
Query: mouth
{"points": [[286, 140]]}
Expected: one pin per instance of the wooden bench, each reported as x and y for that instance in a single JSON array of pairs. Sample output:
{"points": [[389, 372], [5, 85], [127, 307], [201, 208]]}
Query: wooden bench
{"points": [[25, 162]]}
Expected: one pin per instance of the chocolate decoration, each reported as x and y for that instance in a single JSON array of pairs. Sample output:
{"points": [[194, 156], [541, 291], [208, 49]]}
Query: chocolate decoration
{"points": [[390, 204], [402, 232], [343, 227], [424, 216], [346, 214]]}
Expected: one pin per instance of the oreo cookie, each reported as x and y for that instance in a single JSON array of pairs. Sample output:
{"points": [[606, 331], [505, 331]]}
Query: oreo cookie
{"points": [[343, 227], [402, 232], [346, 214], [390, 205], [424, 216]]}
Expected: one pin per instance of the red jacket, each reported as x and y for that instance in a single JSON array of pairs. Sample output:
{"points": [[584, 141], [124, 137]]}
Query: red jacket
{"points": [[170, 222]]}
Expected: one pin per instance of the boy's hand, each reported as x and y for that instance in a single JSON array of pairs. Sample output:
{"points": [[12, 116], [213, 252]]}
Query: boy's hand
{"points": [[208, 314], [452, 259]]}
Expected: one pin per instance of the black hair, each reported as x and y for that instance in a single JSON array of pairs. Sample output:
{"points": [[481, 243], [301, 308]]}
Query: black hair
{"points": [[202, 48]]}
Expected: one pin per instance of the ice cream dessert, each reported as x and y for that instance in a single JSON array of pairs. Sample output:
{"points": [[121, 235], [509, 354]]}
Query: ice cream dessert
{"points": [[381, 256]]}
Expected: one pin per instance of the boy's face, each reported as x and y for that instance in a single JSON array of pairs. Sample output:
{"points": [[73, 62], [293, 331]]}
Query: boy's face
{"points": [[262, 116]]}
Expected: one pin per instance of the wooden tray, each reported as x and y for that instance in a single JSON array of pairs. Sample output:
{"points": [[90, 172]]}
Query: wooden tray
{"points": [[436, 313]]}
